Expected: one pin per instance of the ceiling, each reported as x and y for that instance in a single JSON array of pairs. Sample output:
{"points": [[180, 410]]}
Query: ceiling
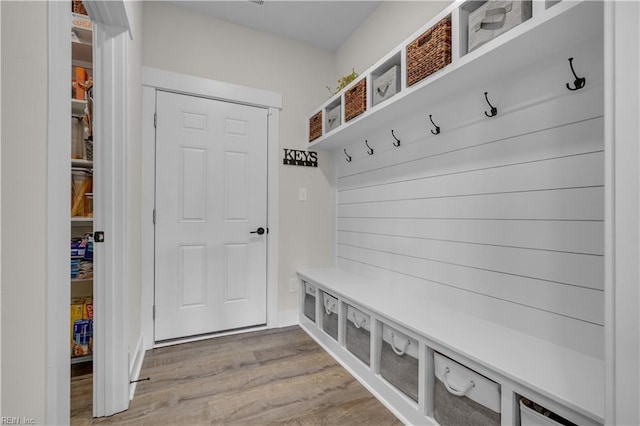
{"points": [[325, 24]]}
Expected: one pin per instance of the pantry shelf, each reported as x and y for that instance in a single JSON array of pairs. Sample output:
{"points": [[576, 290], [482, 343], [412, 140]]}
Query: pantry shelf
{"points": [[78, 106], [81, 359]]}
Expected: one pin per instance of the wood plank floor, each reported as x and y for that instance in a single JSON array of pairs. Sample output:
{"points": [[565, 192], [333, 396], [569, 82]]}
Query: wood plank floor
{"points": [[278, 376]]}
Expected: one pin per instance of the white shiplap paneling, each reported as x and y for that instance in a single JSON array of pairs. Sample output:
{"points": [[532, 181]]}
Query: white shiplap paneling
{"points": [[500, 217]]}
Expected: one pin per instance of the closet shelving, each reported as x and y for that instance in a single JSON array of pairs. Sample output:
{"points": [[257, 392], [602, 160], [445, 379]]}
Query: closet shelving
{"points": [[548, 30], [81, 225]]}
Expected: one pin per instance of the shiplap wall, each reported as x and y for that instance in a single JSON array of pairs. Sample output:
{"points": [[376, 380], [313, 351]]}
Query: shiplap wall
{"points": [[500, 217]]}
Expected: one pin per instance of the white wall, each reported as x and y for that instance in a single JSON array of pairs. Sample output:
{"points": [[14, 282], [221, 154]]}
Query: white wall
{"points": [[0, 219], [134, 183], [211, 48], [387, 26], [24, 165]]}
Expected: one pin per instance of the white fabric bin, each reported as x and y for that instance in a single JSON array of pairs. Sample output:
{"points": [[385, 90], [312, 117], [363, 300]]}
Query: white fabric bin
{"points": [[309, 301], [386, 85], [532, 414], [464, 397], [399, 361], [333, 118], [358, 338], [330, 315], [495, 17]]}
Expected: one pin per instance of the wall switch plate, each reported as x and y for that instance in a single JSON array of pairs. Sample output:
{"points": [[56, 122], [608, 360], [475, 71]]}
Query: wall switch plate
{"points": [[302, 194], [293, 285]]}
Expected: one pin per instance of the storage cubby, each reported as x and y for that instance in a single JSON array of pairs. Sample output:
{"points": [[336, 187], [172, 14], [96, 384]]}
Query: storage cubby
{"points": [[309, 301], [333, 115], [386, 79], [463, 396], [430, 52], [358, 334], [355, 100], [315, 126], [330, 316], [399, 361]]}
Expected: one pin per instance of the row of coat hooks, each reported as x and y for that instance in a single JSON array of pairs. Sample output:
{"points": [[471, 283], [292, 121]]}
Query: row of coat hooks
{"points": [[578, 84]]}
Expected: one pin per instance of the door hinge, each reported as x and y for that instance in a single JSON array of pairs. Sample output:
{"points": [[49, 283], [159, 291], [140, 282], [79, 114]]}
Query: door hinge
{"points": [[154, 216], [154, 312], [155, 119], [98, 237]]}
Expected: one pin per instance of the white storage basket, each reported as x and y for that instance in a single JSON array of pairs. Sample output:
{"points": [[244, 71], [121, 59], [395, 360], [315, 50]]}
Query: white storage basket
{"points": [[532, 414], [495, 17], [386, 85], [358, 338], [399, 361], [464, 397], [330, 315], [309, 301], [333, 118]]}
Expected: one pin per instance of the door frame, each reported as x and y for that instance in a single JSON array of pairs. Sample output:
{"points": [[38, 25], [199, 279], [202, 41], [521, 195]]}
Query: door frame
{"points": [[111, 373], [154, 79]]}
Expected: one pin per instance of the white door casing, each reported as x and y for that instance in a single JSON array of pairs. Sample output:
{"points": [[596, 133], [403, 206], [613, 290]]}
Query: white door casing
{"points": [[154, 79], [111, 380], [211, 192]]}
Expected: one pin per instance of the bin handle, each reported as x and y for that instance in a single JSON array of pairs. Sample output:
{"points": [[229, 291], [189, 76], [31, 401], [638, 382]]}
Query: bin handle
{"points": [[355, 320], [328, 310], [453, 391], [399, 352]]}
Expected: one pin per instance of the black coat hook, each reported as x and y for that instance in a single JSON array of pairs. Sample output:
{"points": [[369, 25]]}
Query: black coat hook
{"points": [[397, 140], [494, 110], [370, 150], [579, 81], [437, 130], [348, 156]]}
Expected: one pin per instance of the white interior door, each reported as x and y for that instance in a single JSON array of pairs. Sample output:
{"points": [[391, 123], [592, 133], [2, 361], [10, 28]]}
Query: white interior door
{"points": [[211, 198]]}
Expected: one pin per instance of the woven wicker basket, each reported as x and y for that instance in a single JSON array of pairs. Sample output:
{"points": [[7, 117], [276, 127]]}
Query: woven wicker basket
{"points": [[78, 7], [355, 100], [315, 126], [429, 52]]}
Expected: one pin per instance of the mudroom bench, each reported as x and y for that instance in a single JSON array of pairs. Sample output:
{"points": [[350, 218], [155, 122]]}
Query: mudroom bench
{"points": [[431, 364]]}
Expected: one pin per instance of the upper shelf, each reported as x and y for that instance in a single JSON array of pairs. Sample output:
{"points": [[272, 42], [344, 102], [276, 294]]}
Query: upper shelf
{"points": [[549, 30], [81, 38]]}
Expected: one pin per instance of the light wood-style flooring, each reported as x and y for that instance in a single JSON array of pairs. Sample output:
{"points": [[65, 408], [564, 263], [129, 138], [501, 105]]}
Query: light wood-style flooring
{"points": [[278, 376]]}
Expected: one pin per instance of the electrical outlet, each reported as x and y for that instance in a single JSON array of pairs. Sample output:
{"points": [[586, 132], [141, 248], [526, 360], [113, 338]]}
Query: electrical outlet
{"points": [[293, 285], [302, 194]]}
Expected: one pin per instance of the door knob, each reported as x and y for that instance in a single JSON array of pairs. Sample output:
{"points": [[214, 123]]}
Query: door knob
{"points": [[258, 231]]}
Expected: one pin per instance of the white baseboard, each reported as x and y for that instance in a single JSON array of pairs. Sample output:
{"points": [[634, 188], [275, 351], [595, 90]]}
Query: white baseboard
{"points": [[288, 318], [136, 366]]}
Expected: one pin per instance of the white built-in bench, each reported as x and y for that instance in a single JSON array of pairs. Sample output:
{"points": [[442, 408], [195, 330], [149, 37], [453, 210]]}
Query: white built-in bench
{"points": [[567, 382]]}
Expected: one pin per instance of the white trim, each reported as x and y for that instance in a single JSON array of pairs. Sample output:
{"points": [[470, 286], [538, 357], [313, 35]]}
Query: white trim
{"points": [[273, 189], [153, 79], [146, 221], [198, 86], [288, 318], [136, 366], [201, 337], [58, 287], [111, 385], [112, 13], [622, 213]]}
